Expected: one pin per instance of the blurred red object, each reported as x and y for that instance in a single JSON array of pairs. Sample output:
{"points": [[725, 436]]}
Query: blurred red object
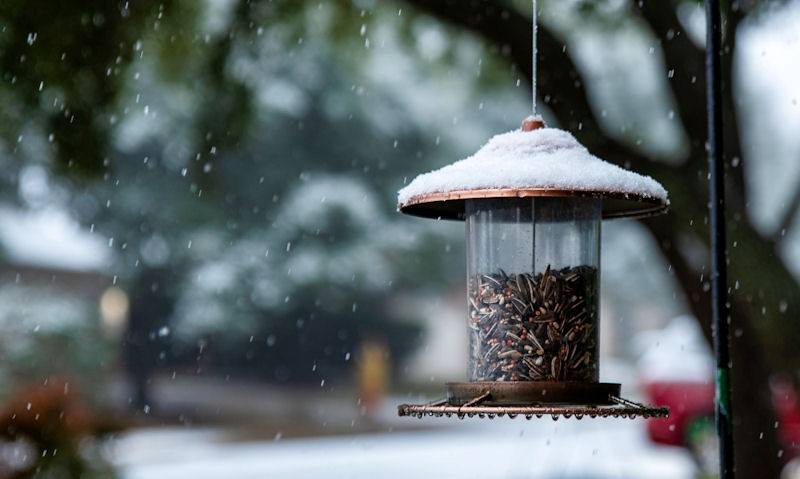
{"points": [[687, 401], [785, 402], [691, 404]]}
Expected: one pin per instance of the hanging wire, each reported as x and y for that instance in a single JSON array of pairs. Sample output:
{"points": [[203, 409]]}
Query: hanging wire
{"points": [[719, 299], [533, 60]]}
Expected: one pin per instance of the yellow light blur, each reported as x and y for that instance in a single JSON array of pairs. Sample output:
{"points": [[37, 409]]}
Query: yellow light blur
{"points": [[114, 307]]}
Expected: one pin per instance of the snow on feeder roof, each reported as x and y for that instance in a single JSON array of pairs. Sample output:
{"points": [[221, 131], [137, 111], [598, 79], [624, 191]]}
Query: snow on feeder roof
{"points": [[532, 162]]}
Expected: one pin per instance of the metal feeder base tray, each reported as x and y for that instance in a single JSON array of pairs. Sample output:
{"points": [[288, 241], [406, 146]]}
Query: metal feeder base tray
{"points": [[496, 399], [515, 393]]}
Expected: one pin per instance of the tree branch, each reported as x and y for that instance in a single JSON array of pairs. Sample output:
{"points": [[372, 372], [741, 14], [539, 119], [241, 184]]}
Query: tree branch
{"points": [[685, 64], [789, 215]]}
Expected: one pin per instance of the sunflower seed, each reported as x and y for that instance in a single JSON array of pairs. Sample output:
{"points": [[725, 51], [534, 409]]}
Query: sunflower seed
{"points": [[539, 327]]}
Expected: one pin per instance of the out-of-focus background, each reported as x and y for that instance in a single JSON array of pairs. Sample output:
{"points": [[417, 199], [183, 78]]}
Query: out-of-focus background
{"points": [[204, 275]]}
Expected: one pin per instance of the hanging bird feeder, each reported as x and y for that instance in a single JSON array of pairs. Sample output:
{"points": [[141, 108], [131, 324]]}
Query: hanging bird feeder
{"points": [[533, 201]]}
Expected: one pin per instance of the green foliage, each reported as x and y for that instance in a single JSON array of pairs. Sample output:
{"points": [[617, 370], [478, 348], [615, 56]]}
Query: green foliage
{"points": [[49, 333], [66, 73]]}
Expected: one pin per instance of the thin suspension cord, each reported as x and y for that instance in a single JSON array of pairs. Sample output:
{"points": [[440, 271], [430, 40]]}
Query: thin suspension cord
{"points": [[533, 60]]}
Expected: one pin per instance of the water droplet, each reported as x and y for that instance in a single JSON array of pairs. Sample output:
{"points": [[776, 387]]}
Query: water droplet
{"points": [[146, 409], [32, 37], [347, 357], [163, 332], [184, 171]]}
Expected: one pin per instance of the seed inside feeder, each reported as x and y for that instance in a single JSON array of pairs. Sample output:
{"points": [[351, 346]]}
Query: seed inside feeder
{"points": [[527, 327]]}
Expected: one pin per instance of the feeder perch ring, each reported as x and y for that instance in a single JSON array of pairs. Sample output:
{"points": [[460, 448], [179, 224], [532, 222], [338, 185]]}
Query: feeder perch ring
{"points": [[616, 407]]}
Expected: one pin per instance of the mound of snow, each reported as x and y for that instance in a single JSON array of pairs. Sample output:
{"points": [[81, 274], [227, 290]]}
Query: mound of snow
{"points": [[543, 158]]}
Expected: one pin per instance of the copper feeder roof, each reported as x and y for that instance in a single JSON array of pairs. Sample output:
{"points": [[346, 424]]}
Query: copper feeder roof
{"points": [[532, 162]]}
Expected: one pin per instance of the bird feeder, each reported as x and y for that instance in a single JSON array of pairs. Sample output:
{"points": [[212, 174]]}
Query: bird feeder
{"points": [[533, 201]]}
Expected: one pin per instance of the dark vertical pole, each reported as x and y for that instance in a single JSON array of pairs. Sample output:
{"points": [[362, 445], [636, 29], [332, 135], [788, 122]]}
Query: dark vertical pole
{"points": [[719, 293]]}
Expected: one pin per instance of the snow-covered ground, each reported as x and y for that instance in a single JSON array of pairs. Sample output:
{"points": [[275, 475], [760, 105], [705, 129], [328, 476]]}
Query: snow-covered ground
{"points": [[502, 448]]}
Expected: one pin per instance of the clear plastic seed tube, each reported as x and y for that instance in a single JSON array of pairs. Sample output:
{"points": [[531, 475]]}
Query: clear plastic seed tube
{"points": [[533, 288]]}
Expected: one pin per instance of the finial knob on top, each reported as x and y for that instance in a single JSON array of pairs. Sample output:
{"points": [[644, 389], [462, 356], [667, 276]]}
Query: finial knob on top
{"points": [[532, 123]]}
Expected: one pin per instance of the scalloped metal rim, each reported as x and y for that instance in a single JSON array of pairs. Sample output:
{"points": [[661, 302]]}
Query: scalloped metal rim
{"points": [[621, 407]]}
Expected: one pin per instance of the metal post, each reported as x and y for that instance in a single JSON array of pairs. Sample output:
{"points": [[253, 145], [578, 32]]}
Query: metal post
{"points": [[719, 294]]}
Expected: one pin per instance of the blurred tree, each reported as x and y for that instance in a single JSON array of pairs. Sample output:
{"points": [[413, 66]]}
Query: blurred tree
{"points": [[65, 75], [277, 256]]}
